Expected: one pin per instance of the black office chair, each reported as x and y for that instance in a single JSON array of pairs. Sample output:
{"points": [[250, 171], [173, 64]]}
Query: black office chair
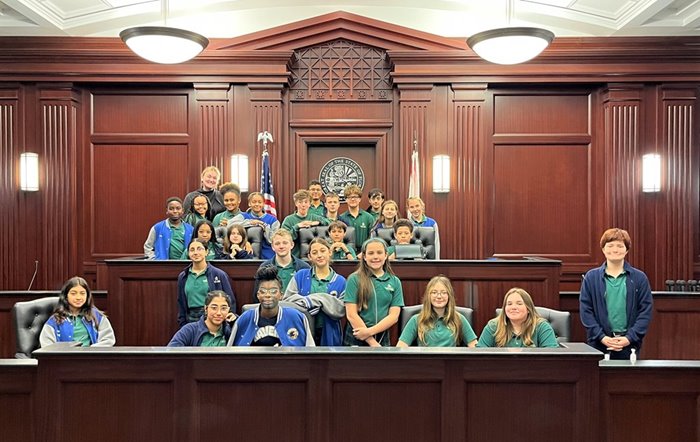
{"points": [[407, 312], [559, 320], [307, 235], [255, 236], [425, 236], [29, 318], [311, 319]]}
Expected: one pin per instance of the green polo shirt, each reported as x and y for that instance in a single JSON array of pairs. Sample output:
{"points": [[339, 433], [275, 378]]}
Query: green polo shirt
{"points": [[196, 289], [616, 301], [225, 215], [177, 241], [339, 255], [285, 274], [438, 336], [362, 223], [542, 337], [217, 340], [193, 218], [80, 333], [319, 210], [387, 293], [291, 222]]}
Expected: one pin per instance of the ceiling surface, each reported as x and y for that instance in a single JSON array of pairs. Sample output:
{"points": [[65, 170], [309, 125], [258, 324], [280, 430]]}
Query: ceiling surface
{"points": [[448, 18]]}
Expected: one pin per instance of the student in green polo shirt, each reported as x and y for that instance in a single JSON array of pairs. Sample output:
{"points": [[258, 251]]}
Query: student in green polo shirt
{"points": [[212, 329], [518, 324], [232, 201], [356, 217], [438, 324], [373, 298], [340, 250], [301, 219], [200, 210], [316, 193]]}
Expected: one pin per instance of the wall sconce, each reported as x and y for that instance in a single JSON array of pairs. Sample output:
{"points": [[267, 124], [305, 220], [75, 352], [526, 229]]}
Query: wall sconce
{"points": [[29, 171], [651, 173], [239, 171], [441, 173]]}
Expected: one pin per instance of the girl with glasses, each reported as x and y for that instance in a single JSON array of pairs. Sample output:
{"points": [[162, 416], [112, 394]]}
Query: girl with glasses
{"points": [[212, 329], [438, 324]]}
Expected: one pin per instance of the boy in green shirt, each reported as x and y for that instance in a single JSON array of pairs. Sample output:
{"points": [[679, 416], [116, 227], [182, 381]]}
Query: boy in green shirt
{"points": [[301, 219]]}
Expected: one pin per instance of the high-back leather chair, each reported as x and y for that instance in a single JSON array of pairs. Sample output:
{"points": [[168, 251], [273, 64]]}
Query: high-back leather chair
{"points": [[425, 236], [29, 318], [310, 318], [307, 235], [559, 320], [407, 312]]}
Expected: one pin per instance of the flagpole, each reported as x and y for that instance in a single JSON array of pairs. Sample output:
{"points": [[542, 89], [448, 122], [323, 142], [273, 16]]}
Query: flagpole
{"points": [[266, 187]]}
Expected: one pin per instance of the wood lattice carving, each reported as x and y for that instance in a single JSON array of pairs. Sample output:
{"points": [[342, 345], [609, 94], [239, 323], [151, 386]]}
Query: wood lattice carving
{"points": [[340, 70]]}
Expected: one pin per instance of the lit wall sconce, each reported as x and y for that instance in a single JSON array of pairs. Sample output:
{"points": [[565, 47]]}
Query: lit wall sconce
{"points": [[651, 172], [29, 171], [239, 171], [441, 173]]}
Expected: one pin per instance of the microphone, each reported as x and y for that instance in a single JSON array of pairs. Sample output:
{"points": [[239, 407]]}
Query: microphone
{"points": [[36, 270]]}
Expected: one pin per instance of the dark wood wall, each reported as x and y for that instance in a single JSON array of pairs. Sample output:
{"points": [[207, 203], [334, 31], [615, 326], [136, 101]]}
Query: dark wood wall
{"points": [[544, 156]]}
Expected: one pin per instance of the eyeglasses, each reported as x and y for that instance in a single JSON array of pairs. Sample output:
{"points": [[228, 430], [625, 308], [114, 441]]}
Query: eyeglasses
{"points": [[272, 292], [436, 293], [219, 308], [352, 197], [199, 204]]}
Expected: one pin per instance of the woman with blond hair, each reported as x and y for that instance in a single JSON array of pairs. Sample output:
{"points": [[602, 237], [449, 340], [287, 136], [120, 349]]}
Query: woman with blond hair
{"points": [[518, 324], [438, 324]]}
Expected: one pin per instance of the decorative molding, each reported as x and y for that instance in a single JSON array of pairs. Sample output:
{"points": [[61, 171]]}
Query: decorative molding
{"points": [[340, 70]]}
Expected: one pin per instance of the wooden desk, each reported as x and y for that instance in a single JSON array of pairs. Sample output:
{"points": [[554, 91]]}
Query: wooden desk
{"points": [[318, 394], [143, 294], [650, 401], [17, 393]]}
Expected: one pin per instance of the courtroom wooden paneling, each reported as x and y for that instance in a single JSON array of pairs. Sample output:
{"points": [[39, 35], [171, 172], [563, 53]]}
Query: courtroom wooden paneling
{"points": [[544, 155], [652, 401], [17, 399], [319, 394], [143, 294]]}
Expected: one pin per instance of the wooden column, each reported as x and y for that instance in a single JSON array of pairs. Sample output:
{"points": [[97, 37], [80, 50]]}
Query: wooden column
{"points": [[214, 130], [59, 108]]}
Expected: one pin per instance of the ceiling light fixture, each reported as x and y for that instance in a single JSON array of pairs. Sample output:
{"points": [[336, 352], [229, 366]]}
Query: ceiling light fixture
{"points": [[163, 44], [510, 45]]}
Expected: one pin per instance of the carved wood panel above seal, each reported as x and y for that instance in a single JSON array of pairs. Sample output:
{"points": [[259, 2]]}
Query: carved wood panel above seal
{"points": [[340, 70]]}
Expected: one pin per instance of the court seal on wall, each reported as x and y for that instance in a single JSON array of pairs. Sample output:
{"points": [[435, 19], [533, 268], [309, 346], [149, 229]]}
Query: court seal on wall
{"points": [[338, 173]]}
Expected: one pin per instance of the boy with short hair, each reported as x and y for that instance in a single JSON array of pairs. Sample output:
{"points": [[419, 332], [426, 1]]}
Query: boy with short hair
{"points": [[332, 206], [376, 199], [283, 260], [167, 239], [403, 234], [340, 250], [316, 192], [356, 217], [301, 219]]}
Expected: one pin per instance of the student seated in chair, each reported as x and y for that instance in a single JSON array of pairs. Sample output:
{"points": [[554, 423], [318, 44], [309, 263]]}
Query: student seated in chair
{"points": [[340, 250], [271, 324], [212, 329], [438, 324], [77, 319], [403, 234], [518, 324]]}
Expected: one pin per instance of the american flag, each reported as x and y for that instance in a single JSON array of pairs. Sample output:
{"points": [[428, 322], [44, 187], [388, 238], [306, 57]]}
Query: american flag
{"points": [[266, 185]]}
